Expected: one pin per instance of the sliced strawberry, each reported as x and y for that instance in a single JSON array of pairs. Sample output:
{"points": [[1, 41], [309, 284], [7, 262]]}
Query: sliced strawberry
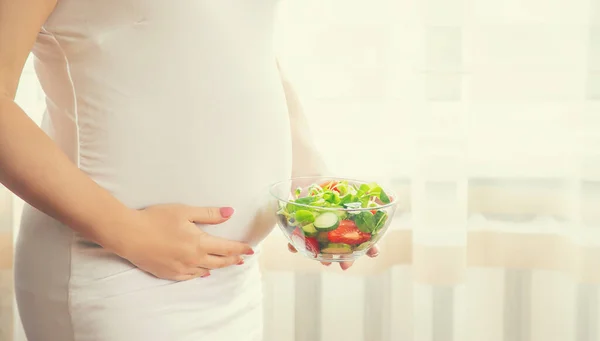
{"points": [[309, 243], [312, 245], [348, 233]]}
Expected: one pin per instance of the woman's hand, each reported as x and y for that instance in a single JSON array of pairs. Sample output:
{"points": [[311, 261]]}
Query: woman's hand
{"points": [[165, 242], [373, 252]]}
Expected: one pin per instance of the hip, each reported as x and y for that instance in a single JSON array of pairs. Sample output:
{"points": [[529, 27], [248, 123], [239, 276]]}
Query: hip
{"points": [[73, 291]]}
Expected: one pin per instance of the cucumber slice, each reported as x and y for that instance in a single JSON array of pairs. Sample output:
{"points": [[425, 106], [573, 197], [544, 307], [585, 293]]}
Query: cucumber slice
{"points": [[310, 230], [327, 221], [337, 248]]}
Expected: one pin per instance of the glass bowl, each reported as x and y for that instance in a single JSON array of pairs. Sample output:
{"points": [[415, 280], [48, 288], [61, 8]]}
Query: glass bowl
{"points": [[333, 219]]}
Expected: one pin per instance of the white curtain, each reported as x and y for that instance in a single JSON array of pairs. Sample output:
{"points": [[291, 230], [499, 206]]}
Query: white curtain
{"points": [[484, 116]]}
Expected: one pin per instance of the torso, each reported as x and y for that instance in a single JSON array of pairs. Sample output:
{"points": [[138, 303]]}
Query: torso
{"points": [[174, 101], [161, 102]]}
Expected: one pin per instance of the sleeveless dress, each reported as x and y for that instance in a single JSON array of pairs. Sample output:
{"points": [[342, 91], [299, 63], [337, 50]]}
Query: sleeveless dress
{"points": [[158, 102]]}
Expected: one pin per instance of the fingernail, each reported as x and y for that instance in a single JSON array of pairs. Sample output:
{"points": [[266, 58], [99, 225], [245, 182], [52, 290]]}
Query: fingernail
{"points": [[226, 212], [206, 275], [240, 262]]}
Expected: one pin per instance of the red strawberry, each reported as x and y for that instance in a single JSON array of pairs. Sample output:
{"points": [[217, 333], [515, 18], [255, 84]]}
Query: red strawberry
{"points": [[310, 244], [348, 233]]}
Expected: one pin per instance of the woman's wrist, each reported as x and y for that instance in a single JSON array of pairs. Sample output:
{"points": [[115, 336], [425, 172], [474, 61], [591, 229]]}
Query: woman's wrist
{"points": [[115, 229]]}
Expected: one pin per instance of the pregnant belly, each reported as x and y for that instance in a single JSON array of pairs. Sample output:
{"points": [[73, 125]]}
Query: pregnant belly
{"points": [[200, 146], [233, 183], [232, 166], [238, 179]]}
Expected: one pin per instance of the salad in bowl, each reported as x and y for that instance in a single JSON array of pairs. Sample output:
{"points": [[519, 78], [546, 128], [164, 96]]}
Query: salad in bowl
{"points": [[333, 219]]}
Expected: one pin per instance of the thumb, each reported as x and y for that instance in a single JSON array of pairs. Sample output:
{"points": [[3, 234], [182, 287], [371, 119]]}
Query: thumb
{"points": [[209, 215]]}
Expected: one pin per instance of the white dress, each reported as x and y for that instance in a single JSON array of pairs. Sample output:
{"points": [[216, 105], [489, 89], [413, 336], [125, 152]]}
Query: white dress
{"points": [[159, 102]]}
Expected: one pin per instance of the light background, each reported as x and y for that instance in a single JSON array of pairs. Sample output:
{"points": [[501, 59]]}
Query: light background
{"points": [[484, 115]]}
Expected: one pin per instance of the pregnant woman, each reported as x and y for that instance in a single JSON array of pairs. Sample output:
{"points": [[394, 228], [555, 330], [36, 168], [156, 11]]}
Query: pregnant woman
{"points": [[146, 187]]}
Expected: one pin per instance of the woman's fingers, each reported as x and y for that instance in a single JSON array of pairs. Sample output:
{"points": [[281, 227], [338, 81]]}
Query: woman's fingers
{"points": [[326, 257], [373, 252], [223, 247], [208, 215], [196, 273], [346, 265], [217, 262], [203, 266], [202, 272]]}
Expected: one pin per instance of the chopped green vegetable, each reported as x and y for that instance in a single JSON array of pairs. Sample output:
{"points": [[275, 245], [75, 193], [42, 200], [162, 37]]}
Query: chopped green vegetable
{"points": [[304, 217], [384, 198], [365, 221], [380, 218]]}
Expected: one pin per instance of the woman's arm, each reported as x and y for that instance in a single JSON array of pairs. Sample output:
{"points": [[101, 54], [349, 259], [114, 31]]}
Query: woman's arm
{"points": [[307, 161], [31, 165]]}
